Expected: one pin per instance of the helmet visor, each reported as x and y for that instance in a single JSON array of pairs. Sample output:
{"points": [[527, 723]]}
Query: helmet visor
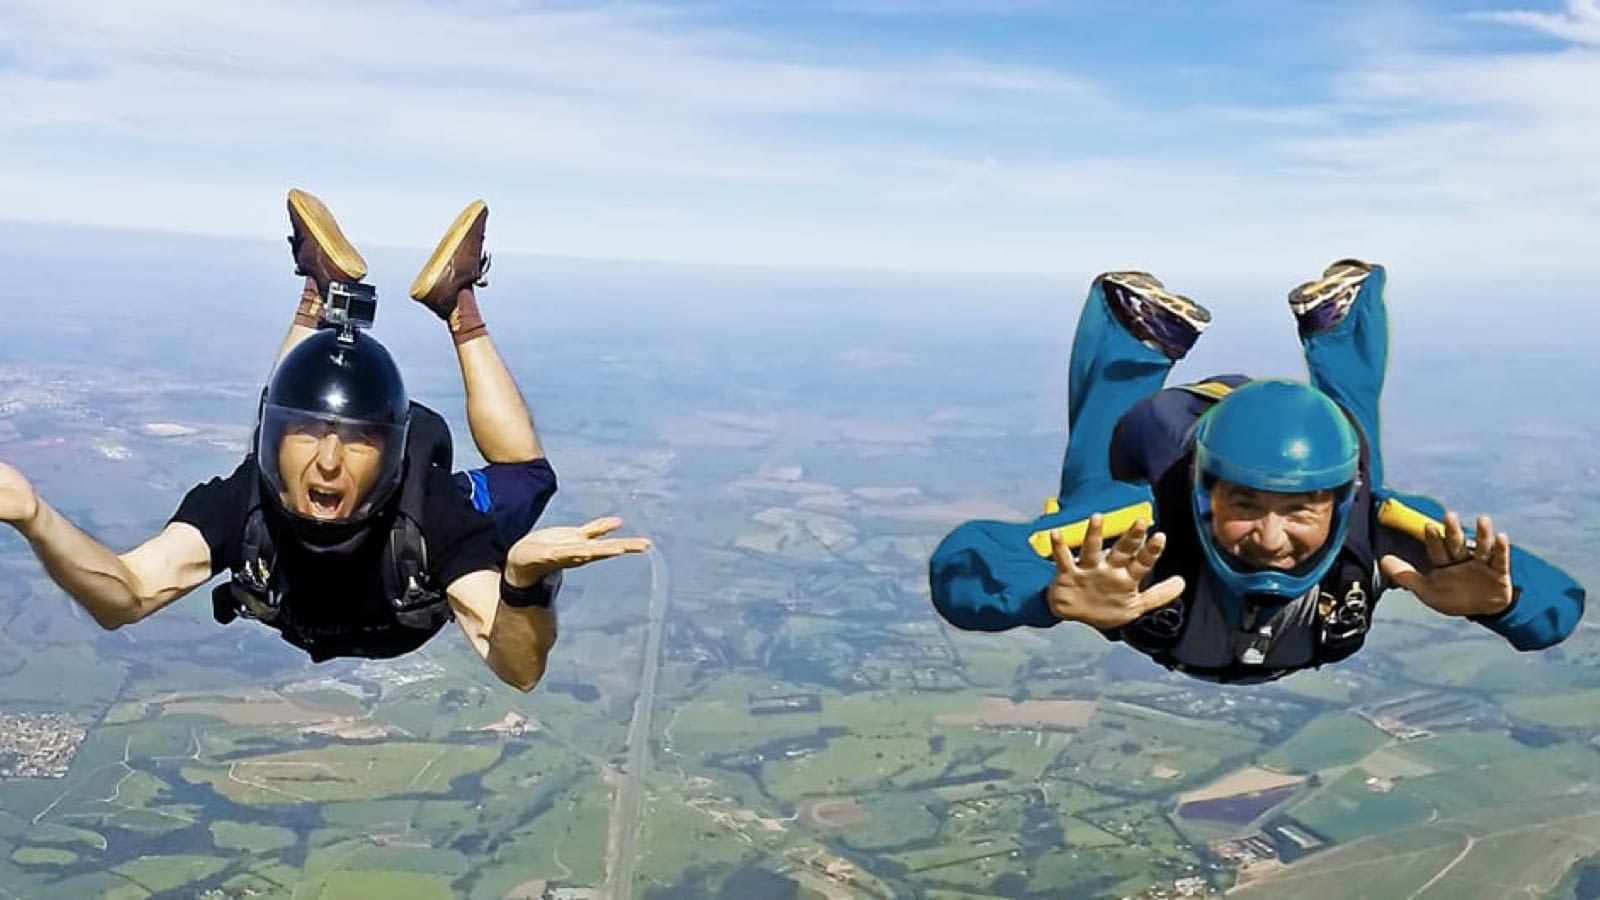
{"points": [[1242, 578], [329, 468]]}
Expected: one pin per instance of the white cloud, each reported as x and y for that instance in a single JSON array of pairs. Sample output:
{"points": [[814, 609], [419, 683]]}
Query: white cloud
{"points": [[1579, 24], [647, 132]]}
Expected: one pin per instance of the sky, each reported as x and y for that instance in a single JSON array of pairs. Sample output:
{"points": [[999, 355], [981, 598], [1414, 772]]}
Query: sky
{"points": [[1005, 137]]}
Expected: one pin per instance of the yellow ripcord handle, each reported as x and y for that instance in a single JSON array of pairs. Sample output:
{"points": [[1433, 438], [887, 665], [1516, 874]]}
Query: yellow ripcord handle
{"points": [[1118, 520], [1403, 518], [1211, 390], [1114, 523]]}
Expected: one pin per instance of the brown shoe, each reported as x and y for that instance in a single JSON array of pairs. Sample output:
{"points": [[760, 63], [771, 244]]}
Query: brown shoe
{"points": [[457, 263], [321, 251]]}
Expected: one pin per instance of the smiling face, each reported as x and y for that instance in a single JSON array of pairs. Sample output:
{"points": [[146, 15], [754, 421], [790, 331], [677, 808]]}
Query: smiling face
{"points": [[327, 469], [1267, 529]]}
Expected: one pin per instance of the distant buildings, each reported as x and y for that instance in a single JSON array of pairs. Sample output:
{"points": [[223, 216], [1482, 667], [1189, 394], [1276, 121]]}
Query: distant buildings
{"points": [[785, 703], [567, 893], [37, 745]]}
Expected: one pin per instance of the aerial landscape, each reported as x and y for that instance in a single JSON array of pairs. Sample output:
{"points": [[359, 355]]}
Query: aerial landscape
{"points": [[791, 289], [766, 705]]}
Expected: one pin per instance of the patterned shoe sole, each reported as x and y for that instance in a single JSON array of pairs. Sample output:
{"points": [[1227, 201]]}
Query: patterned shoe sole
{"points": [[434, 268], [1339, 284], [1146, 291], [321, 228]]}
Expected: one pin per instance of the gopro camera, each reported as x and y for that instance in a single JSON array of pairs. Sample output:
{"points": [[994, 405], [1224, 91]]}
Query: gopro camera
{"points": [[349, 307]]}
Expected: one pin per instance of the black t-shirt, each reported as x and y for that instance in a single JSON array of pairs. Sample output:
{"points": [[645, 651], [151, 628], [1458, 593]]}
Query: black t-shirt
{"points": [[326, 593]]}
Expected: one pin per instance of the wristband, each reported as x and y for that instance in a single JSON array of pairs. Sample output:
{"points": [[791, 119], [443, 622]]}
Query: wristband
{"points": [[541, 593]]}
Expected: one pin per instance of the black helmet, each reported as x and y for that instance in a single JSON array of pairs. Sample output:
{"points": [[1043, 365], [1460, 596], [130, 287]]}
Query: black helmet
{"points": [[332, 385]]}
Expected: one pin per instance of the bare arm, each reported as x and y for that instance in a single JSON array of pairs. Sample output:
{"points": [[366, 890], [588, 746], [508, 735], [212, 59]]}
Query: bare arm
{"points": [[514, 641], [117, 590]]}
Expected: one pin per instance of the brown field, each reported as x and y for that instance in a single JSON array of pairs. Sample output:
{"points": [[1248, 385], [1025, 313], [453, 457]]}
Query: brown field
{"points": [[1244, 781], [832, 814], [718, 431], [831, 502], [828, 530], [263, 708], [765, 542], [955, 511], [1000, 712], [528, 890], [888, 493], [1392, 763], [803, 489]]}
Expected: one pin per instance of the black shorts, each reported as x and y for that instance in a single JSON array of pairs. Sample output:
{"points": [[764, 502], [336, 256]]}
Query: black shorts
{"points": [[513, 494]]}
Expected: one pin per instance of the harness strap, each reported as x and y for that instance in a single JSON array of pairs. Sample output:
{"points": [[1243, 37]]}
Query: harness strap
{"points": [[1346, 595], [257, 587]]}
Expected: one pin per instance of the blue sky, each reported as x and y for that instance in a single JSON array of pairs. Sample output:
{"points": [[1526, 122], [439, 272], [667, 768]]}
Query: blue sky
{"points": [[1010, 136]]}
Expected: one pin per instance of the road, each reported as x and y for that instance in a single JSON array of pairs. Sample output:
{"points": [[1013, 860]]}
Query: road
{"points": [[628, 803]]}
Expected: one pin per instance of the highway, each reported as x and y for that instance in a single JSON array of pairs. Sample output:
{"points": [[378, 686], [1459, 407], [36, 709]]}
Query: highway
{"points": [[628, 803]]}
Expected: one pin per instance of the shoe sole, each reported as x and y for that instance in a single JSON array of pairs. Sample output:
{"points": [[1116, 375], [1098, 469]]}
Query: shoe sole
{"points": [[1147, 288], [1344, 276], [324, 230], [434, 268]]}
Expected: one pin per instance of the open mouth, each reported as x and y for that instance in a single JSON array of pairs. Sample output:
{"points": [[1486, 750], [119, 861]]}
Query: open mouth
{"points": [[325, 504]]}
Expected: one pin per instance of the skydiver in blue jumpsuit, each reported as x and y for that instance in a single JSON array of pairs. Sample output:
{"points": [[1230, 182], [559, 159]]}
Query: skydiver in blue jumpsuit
{"points": [[1237, 530]]}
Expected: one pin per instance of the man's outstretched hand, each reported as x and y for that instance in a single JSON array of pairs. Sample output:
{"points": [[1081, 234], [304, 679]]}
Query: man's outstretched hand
{"points": [[19, 503], [544, 550], [1102, 587], [1468, 579]]}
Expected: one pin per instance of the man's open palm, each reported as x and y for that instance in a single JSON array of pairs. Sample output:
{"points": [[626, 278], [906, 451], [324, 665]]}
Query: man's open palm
{"points": [[1101, 587], [543, 550], [1468, 578]]}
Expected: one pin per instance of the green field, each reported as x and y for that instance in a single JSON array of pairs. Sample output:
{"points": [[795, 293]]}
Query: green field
{"points": [[345, 772], [1561, 709], [157, 874], [1140, 751], [892, 820], [1323, 685], [1106, 872], [250, 839], [363, 885], [43, 856], [677, 837], [1346, 809], [1331, 739], [1364, 873], [979, 858], [1459, 663], [1513, 849], [1450, 749]]}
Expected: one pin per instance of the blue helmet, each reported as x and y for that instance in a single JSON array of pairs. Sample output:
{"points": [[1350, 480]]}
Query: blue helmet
{"points": [[1280, 436]]}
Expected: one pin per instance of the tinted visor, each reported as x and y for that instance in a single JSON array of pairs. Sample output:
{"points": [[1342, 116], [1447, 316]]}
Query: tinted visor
{"points": [[329, 468]]}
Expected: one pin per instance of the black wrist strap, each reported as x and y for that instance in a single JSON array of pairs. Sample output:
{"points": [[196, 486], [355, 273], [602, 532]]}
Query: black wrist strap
{"points": [[541, 593]]}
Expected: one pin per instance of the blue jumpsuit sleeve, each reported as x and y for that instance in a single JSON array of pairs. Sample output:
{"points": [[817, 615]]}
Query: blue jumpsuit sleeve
{"points": [[984, 576], [1547, 602]]}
